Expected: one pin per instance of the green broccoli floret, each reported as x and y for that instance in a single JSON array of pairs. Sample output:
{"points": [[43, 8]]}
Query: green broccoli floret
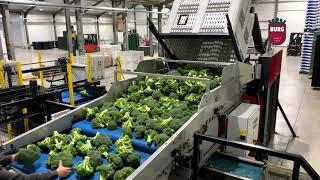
{"points": [[174, 95], [148, 91], [97, 123], [166, 90], [127, 127], [193, 98], [84, 169], [95, 158], [115, 114], [77, 136], [27, 156], [60, 137], [157, 94], [175, 124], [142, 84], [123, 173], [150, 135], [182, 91], [133, 160], [106, 172], [54, 158], [150, 124], [168, 131], [111, 125], [136, 96], [135, 113], [115, 161], [150, 81], [45, 143], [102, 149], [34, 148], [143, 117], [160, 139], [124, 118], [70, 148], [157, 111], [144, 109], [133, 89], [91, 113], [120, 103], [140, 131], [124, 146], [101, 139], [84, 148]]}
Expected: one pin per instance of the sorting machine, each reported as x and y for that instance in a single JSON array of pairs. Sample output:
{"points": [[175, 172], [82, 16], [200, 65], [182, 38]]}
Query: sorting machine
{"points": [[206, 33]]}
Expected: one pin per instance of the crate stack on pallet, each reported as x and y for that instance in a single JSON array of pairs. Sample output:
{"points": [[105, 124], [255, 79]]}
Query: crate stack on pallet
{"points": [[311, 24]]}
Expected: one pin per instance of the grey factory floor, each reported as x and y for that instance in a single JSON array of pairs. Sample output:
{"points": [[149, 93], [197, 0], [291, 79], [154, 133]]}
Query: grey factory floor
{"points": [[298, 99]]}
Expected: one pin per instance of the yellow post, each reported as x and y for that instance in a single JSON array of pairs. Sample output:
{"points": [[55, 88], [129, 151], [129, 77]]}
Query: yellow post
{"points": [[89, 70], [71, 58], [20, 77], [40, 72], [2, 79], [119, 75], [9, 127], [70, 84], [25, 119]]}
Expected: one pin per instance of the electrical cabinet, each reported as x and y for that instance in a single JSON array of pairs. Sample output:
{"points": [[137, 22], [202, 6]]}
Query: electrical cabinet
{"points": [[243, 125]]}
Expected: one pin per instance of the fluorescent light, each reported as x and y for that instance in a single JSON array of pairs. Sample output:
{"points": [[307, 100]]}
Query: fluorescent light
{"points": [[41, 9]]}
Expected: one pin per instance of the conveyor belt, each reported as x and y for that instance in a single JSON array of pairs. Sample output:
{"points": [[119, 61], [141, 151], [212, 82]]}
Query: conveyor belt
{"points": [[139, 144], [66, 97], [40, 165]]}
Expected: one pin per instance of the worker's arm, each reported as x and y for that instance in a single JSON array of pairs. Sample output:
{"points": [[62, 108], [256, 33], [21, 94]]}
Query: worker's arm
{"points": [[6, 175], [6, 160]]}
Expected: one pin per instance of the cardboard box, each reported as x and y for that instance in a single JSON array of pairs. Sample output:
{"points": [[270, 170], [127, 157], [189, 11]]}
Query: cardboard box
{"points": [[108, 61]]}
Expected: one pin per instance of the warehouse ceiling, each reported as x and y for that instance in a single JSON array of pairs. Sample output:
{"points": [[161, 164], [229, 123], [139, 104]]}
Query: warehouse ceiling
{"points": [[104, 3]]}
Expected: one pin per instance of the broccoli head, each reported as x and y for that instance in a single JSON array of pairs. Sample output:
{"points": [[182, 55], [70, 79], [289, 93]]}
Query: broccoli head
{"points": [[157, 111], [84, 169], [144, 109], [111, 125], [157, 95], [150, 135], [140, 131], [115, 114], [97, 123], [103, 149], [136, 96], [173, 95], [28, 155], [168, 131], [106, 172], [124, 146], [91, 113], [115, 161], [120, 103], [143, 117], [124, 118], [123, 173], [193, 98], [101, 139], [127, 127], [45, 143], [106, 105], [175, 124], [133, 89], [54, 158], [95, 158], [77, 136], [70, 148], [133, 160], [84, 148], [160, 139]]}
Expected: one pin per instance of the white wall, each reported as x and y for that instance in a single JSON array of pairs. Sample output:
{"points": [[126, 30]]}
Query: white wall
{"points": [[293, 12]]}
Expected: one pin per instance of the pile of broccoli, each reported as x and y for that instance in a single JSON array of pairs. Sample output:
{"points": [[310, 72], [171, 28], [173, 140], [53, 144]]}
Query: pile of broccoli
{"points": [[28, 155], [154, 108]]}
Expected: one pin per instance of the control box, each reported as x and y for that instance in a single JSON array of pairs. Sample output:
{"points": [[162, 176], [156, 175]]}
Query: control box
{"points": [[243, 125]]}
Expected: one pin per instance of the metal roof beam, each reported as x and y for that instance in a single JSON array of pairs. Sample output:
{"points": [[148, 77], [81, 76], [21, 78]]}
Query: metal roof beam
{"points": [[166, 2], [60, 10], [29, 9]]}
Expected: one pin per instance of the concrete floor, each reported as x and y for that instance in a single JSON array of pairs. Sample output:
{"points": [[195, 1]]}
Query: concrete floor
{"points": [[298, 99]]}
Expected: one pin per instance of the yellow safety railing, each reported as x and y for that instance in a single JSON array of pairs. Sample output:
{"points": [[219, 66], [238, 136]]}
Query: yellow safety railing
{"points": [[71, 58], [119, 67], [70, 84], [25, 119], [2, 78], [89, 69], [19, 71], [9, 128], [40, 72]]}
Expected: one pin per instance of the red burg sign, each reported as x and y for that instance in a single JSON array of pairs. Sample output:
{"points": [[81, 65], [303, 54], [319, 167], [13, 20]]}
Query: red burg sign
{"points": [[277, 31]]}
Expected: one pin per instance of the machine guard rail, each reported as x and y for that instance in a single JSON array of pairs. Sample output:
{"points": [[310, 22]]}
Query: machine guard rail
{"points": [[297, 159]]}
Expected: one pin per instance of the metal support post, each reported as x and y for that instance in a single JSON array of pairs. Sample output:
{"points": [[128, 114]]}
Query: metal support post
{"points": [[160, 50], [276, 8], [55, 27], [296, 171], [195, 158], [98, 31], [9, 128], [70, 84], [286, 119], [71, 58], [151, 48], [135, 18], [25, 21], [25, 119], [114, 20], [19, 72], [125, 27], [2, 54], [80, 37], [8, 32], [2, 79], [89, 69], [40, 66], [68, 28], [119, 68]]}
